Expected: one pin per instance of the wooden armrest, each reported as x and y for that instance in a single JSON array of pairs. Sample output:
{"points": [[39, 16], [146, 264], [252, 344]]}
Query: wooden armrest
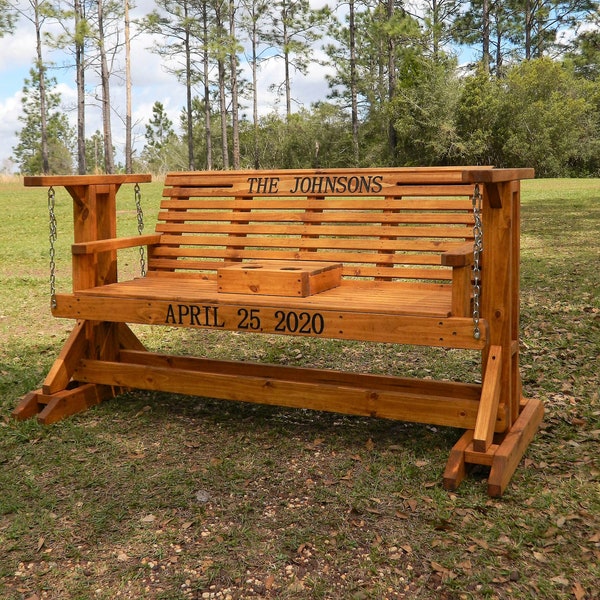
{"points": [[115, 243], [461, 256], [491, 175]]}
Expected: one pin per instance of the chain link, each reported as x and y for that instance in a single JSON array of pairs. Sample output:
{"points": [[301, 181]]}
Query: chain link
{"points": [[53, 235], [477, 250], [140, 224]]}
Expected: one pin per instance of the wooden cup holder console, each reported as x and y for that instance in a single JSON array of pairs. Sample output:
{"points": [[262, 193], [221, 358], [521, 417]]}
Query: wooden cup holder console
{"points": [[279, 278]]}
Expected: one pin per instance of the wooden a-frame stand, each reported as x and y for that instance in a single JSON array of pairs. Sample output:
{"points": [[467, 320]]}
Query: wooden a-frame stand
{"points": [[100, 359]]}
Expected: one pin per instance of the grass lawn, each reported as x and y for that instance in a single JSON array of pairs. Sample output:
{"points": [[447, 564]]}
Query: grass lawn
{"points": [[156, 496]]}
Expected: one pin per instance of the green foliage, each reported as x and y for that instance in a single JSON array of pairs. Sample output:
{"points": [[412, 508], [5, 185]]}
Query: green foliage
{"points": [[397, 91], [424, 115], [94, 153], [161, 141], [547, 119], [585, 52], [7, 18], [61, 136], [316, 138], [476, 119], [541, 115]]}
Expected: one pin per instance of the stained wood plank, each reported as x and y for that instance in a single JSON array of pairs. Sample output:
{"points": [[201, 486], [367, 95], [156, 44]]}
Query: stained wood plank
{"points": [[229, 253], [74, 349], [427, 200], [490, 397], [342, 216], [115, 244], [315, 229], [66, 403], [289, 316], [496, 175], [281, 182], [325, 394], [393, 272], [194, 245], [84, 180], [423, 387]]}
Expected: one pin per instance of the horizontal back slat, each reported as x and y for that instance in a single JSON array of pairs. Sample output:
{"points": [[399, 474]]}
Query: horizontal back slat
{"points": [[441, 232], [423, 203], [195, 245], [286, 216], [232, 254], [380, 223]]}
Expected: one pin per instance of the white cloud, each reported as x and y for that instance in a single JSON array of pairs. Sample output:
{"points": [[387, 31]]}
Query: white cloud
{"points": [[10, 109], [18, 50]]}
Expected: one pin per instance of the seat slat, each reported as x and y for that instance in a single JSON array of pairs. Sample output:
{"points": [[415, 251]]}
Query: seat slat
{"points": [[357, 296]]}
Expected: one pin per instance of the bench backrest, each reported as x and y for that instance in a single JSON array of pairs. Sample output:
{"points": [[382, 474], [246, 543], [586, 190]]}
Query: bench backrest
{"points": [[385, 224]]}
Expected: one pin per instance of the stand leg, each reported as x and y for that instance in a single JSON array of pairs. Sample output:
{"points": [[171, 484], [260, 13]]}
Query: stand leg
{"points": [[456, 468], [503, 456], [60, 396], [513, 447]]}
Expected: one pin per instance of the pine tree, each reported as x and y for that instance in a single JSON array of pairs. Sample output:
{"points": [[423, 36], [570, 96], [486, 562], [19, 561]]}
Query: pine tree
{"points": [[159, 137], [61, 136], [7, 18]]}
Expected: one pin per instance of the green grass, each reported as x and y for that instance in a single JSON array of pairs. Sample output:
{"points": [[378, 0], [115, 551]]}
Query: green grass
{"points": [[170, 497]]}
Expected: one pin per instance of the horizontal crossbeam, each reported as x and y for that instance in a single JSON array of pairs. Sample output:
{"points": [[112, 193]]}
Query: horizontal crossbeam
{"points": [[422, 401]]}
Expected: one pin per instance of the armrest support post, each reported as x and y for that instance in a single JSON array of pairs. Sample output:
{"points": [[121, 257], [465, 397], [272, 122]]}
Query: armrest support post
{"points": [[461, 261]]}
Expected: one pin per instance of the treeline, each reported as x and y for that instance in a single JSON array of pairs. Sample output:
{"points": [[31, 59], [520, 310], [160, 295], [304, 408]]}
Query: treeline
{"points": [[529, 97]]}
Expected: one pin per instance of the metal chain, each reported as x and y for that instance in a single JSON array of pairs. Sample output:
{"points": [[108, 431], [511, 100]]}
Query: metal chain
{"points": [[140, 224], [477, 250], [52, 237]]}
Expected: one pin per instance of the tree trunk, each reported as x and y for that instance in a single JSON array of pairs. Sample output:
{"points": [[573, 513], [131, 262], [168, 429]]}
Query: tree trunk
{"points": [[255, 91], [485, 39], [392, 135], [353, 85], [528, 27], [221, 55], [207, 115], [80, 82], [286, 63], [435, 31], [109, 164], [41, 69], [223, 110], [235, 125], [188, 96], [128, 125]]}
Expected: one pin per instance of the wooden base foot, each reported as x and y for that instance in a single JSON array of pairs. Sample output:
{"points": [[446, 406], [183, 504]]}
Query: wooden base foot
{"points": [[65, 403], [511, 450], [61, 394], [456, 467], [29, 406], [502, 457]]}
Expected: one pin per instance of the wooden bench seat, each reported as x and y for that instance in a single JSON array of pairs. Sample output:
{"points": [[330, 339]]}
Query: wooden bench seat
{"points": [[382, 255], [358, 310]]}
